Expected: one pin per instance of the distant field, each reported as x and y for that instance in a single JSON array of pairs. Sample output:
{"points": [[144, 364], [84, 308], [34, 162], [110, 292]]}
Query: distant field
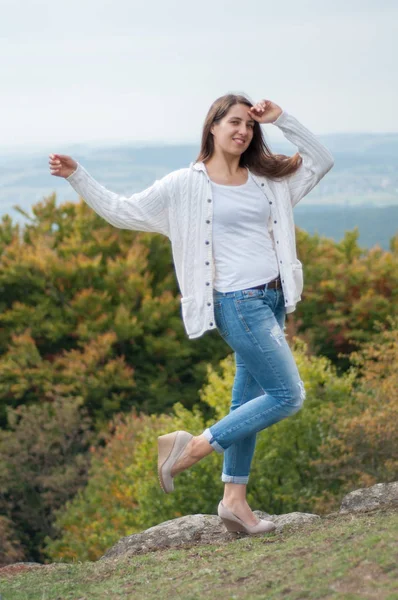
{"points": [[376, 224]]}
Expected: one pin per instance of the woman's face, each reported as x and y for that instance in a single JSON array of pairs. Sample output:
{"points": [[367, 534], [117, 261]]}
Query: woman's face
{"points": [[234, 132]]}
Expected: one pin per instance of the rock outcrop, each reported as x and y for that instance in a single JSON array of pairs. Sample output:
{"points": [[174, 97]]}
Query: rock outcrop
{"points": [[209, 529], [193, 529], [380, 495]]}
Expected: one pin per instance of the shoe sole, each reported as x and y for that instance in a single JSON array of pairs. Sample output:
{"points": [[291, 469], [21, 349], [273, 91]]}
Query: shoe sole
{"points": [[165, 448], [232, 526]]}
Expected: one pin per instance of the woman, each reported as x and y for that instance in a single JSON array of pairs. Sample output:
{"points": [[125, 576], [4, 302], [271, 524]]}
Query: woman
{"points": [[230, 222]]}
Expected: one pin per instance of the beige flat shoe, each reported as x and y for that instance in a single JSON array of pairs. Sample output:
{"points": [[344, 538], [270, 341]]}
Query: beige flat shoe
{"points": [[170, 448], [234, 524]]}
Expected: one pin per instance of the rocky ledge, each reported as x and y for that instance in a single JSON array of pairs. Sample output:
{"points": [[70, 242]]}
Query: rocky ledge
{"points": [[209, 529]]}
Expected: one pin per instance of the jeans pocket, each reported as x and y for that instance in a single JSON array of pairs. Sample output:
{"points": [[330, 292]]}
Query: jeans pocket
{"points": [[220, 319]]}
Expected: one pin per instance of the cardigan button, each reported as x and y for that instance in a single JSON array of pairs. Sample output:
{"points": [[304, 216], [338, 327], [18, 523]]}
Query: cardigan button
{"points": [[207, 263], [209, 304], [274, 221], [207, 282], [207, 221], [211, 324], [262, 185], [209, 200], [207, 242], [270, 202]]}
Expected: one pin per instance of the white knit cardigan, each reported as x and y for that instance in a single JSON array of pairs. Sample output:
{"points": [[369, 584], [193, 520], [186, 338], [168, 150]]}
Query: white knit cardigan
{"points": [[180, 206]]}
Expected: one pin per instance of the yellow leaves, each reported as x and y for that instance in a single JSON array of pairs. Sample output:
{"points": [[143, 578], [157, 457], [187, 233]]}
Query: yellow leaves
{"points": [[90, 300], [347, 290], [95, 351], [72, 278], [363, 447], [394, 244], [217, 391], [19, 367]]}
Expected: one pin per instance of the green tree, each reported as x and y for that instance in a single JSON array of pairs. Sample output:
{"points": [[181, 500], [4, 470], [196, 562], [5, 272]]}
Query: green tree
{"points": [[69, 280], [11, 550], [90, 373], [361, 448], [347, 291]]}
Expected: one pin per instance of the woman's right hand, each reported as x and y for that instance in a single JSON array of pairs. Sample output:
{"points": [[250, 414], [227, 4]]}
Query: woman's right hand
{"points": [[62, 165]]}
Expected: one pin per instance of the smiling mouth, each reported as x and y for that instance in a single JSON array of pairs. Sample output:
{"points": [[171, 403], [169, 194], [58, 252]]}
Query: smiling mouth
{"points": [[239, 141]]}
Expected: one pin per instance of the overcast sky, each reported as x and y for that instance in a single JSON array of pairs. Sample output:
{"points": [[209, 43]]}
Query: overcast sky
{"points": [[126, 70]]}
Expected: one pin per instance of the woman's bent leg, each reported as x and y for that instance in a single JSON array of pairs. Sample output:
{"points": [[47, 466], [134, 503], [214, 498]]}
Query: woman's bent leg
{"points": [[252, 330]]}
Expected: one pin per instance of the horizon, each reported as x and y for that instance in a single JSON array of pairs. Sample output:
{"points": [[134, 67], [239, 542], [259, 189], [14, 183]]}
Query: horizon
{"points": [[159, 143]]}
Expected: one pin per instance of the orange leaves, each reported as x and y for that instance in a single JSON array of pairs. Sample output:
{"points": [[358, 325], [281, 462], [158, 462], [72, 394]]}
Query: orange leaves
{"points": [[72, 279], [362, 447], [347, 291]]}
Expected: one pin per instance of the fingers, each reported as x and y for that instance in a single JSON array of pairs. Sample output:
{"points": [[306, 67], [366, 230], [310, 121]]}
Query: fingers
{"points": [[61, 156], [54, 159], [62, 165], [259, 108], [54, 164]]}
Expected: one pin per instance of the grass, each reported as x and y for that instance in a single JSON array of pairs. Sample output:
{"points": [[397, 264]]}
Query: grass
{"points": [[342, 557]]}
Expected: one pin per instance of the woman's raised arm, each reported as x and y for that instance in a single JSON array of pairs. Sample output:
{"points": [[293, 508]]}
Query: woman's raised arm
{"points": [[143, 211], [316, 158]]}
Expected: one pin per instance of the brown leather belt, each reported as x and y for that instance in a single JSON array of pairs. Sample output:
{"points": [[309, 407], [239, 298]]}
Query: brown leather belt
{"points": [[275, 284]]}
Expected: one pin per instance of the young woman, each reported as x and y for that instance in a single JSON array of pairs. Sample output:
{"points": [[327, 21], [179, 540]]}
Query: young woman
{"points": [[230, 221]]}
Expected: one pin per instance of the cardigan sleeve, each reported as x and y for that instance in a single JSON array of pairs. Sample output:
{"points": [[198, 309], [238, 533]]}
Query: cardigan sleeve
{"points": [[316, 159], [143, 211]]}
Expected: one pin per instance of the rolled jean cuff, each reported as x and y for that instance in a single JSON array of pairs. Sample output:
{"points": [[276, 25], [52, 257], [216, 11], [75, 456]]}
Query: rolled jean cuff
{"points": [[234, 478], [207, 434]]}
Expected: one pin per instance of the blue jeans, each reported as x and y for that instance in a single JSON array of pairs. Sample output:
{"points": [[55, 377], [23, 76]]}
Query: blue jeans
{"points": [[267, 386]]}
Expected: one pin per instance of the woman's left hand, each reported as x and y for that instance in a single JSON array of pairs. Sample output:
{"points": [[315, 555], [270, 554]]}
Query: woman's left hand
{"points": [[265, 111]]}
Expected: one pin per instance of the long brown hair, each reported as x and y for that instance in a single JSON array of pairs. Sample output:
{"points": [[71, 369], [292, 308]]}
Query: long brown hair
{"points": [[257, 157]]}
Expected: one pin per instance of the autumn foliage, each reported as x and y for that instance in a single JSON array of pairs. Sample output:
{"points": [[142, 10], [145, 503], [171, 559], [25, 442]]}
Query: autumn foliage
{"points": [[91, 311], [362, 446], [347, 292], [95, 364]]}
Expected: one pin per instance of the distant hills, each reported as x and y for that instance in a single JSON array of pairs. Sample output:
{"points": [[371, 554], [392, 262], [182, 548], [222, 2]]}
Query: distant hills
{"points": [[376, 224], [365, 176]]}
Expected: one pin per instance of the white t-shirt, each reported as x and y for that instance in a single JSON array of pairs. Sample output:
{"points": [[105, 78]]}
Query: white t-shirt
{"points": [[243, 250]]}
